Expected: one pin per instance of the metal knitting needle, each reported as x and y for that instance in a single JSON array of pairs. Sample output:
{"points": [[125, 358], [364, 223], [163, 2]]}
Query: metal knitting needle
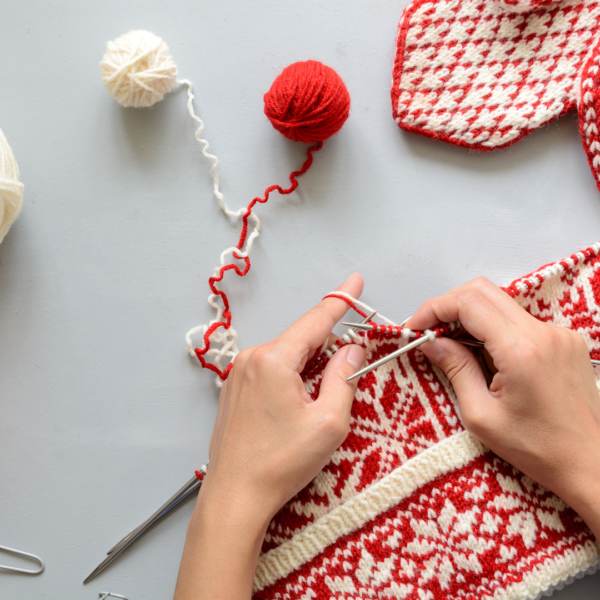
{"points": [[464, 341], [415, 344], [362, 324], [189, 488], [155, 515]]}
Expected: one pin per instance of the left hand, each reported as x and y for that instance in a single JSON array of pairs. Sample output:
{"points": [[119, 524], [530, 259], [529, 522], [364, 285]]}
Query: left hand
{"points": [[269, 441]]}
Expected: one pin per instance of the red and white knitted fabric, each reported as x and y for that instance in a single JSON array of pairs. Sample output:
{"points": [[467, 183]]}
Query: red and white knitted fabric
{"points": [[411, 506], [484, 73]]}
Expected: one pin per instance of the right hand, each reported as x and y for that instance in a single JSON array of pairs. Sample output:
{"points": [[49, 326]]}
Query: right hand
{"points": [[541, 412]]}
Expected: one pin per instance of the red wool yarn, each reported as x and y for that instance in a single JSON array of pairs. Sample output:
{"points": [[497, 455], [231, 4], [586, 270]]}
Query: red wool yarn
{"points": [[308, 102]]}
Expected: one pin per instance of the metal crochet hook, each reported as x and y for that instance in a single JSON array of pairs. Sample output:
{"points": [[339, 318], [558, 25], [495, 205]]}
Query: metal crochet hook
{"points": [[189, 488], [28, 555], [465, 341]]}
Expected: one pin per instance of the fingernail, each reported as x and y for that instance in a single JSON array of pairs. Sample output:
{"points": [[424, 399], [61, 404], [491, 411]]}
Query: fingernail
{"points": [[356, 357], [433, 351]]}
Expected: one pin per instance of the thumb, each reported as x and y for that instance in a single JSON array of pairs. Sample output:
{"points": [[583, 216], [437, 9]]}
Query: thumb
{"points": [[336, 394], [467, 379]]}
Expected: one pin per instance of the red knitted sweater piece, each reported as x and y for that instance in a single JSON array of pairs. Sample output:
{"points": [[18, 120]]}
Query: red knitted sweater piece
{"points": [[483, 74], [411, 506]]}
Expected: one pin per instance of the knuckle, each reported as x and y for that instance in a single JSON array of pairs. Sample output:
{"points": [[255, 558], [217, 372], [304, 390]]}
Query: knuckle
{"points": [[262, 358], [472, 421], [469, 297], [481, 283], [476, 422], [241, 362], [576, 339], [244, 356], [334, 425], [571, 343], [456, 366], [529, 352]]}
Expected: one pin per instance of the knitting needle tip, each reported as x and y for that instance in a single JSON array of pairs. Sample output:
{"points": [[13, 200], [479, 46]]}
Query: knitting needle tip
{"points": [[429, 337]]}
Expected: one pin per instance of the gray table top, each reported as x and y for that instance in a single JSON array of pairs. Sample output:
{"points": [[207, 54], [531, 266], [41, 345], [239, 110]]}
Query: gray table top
{"points": [[102, 413]]}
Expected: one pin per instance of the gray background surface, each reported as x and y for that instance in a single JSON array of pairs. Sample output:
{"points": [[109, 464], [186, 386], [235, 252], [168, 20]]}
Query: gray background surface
{"points": [[102, 413]]}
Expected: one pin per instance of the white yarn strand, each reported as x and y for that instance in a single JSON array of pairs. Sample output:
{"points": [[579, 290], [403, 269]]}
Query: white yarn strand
{"points": [[11, 189], [224, 339]]}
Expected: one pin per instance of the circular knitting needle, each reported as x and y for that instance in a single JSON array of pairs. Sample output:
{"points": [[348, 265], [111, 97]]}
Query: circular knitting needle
{"points": [[156, 515], [190, 487], [429, 337]]}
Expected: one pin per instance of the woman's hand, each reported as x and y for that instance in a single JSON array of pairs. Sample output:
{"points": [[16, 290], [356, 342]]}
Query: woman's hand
{"points": [[269, 441], [541, 412]]}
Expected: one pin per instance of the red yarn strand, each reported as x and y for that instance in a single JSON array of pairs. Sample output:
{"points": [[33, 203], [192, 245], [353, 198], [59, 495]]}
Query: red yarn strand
{"points": [[212, 282]]}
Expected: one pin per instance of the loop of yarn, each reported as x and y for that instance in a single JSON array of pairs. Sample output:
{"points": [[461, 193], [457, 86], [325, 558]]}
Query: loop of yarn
{"points": [[138, 69], [308, 102], [11, 189]]}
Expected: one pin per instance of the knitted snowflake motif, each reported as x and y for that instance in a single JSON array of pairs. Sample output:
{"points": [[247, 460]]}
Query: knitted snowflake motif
{"points": [[411, 506]]}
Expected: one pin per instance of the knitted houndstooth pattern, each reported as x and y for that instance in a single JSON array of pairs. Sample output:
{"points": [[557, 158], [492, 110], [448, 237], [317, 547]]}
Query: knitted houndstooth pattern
{"points": [[470, 73], [411, 506]]}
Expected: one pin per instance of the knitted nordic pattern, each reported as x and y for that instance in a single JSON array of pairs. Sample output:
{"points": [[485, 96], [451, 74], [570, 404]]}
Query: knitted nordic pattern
{"points": [[411, 506], [481, 74]]}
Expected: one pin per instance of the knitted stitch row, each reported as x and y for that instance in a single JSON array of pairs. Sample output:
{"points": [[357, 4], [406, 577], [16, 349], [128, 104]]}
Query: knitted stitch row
{"points": [[411, 506]]}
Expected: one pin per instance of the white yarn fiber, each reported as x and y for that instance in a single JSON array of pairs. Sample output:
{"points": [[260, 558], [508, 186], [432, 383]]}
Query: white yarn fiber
{"points": [[138, 69], [11, 189]]}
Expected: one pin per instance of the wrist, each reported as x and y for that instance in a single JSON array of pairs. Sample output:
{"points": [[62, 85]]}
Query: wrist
{"points": [[233, 511], [585, 493], [222, 546]]}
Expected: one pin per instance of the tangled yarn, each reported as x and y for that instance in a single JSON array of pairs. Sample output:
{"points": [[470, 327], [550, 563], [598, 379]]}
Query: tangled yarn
{"points": [[11, 189], [137, 69], [308, 102]]}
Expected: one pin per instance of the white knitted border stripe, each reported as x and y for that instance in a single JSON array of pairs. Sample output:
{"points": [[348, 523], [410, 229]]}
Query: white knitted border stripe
{"points": [[554, 269], [552, 575], [452, 453]]}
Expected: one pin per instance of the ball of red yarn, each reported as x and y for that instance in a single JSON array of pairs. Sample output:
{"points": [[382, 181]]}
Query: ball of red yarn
{"points": [[308, 102]]}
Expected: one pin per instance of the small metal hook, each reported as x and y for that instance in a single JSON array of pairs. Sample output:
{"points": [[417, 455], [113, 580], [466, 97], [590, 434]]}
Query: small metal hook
{"points": [[28, 555], [103, 595]]}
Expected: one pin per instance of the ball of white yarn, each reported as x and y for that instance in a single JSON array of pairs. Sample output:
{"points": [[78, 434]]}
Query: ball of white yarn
{"points": [[137, 69], [11, 189]]}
